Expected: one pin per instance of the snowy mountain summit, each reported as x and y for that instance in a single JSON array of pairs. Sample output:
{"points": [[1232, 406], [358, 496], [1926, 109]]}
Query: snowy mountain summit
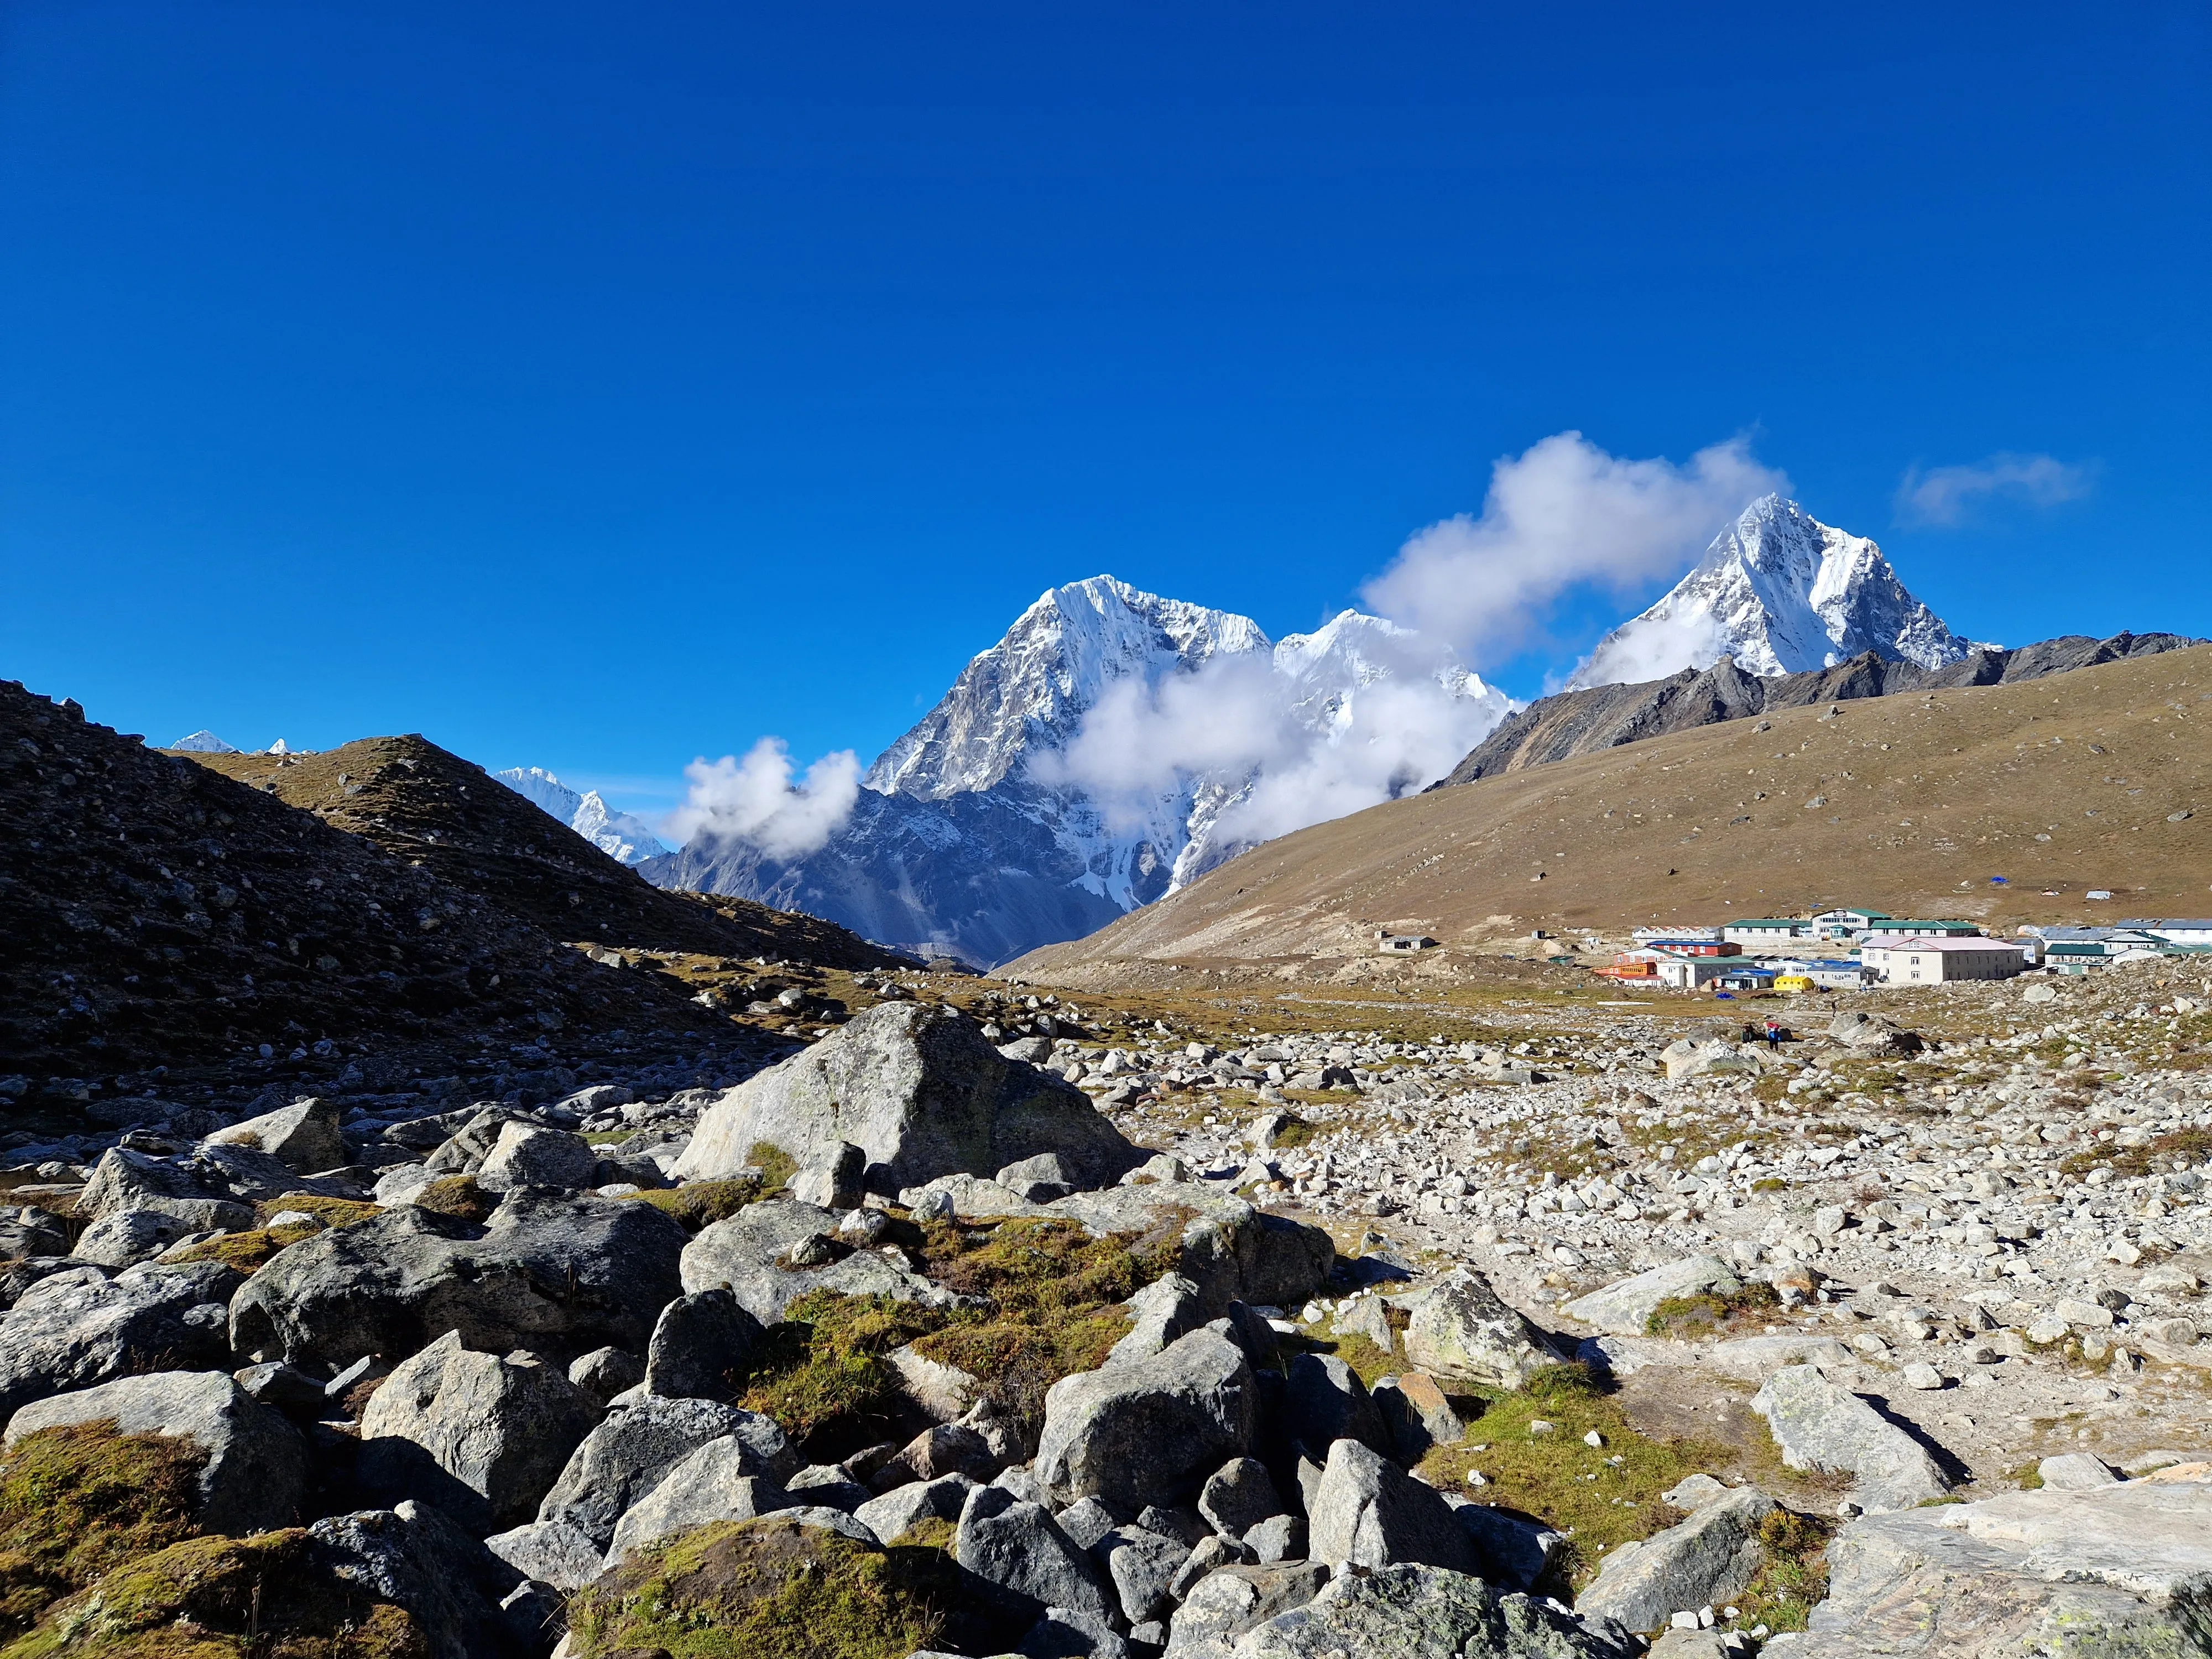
{"points": [[1032, 689], [1112, 744], [1781, 592], [621, 838], [203, 742]]}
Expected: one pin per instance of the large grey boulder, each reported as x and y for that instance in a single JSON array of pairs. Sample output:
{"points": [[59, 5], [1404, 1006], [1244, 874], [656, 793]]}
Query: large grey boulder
{"points": [[1150, 1431], [303, 1137], [1709, 1559], [1819, 1425], [897, 1512], [1228, 1250], [1368, 1512], [1418, 1612], [1324, 1401], [557, 1276], [417, 1560], [835, 1177], [630, 1453], [77, 1328], [481, 1435], [1626, 1308], [720, 1481], [1418, 1413], [1238, 1496], [1159, 1312], [123, 1238], [700, 1346], [550, 1551], [214, 1186], [1230, 1601], [126, 1179], [749, 1256], [255, 1472], [921, 1092], [1462, 1330], [529, 1155], [1143, 1565], [463, 1152], [2121, 1570], [1019, 1548]]}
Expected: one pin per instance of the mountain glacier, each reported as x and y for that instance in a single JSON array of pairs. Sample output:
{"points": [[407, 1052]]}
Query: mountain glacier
{"points": [[1782, 593], [1111, 746], [625, 839]]}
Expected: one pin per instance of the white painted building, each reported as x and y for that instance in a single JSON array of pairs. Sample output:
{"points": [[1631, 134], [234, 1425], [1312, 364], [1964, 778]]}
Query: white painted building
{"points": [[1933, 961]]}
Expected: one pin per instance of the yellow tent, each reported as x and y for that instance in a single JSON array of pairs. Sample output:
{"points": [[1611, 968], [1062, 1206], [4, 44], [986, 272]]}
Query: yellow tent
{"points": [[1793, 983]]}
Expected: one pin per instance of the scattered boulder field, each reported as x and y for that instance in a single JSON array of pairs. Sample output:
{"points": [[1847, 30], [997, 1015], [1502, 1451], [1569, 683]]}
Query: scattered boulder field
{"points": [[949, 1335]]}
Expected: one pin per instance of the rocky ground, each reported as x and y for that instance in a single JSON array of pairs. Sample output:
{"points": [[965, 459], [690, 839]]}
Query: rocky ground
{"points": [[984, 1323]]}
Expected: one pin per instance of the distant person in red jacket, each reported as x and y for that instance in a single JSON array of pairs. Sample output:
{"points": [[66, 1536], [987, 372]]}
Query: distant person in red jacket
{"points": [[1773, 1035]]}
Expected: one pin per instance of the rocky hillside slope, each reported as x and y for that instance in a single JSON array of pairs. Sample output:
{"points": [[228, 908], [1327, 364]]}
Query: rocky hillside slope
{"points": [[433, 809], [2098, 779], [158, 912], [1583, 722]]}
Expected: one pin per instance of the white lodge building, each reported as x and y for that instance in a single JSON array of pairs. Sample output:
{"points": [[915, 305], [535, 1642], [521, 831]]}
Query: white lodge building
{"points": [[1931, 961]]}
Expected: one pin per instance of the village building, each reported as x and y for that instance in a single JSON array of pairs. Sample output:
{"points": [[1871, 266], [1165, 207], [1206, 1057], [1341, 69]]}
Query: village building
{"points": [[1767, 930], [1852, 923], [2085, 950], [2177, 930], [1819, 974], [1402, 944], [1933, 960]]}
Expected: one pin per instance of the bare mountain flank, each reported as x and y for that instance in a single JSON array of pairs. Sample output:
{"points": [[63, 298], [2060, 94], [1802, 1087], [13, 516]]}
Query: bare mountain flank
{"points": [[2097, 779]]}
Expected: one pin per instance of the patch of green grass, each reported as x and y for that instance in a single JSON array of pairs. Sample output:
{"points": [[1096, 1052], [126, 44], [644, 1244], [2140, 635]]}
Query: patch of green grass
{"points": [[224, 1598], [251, 1251], [776, 1166], [100, 1557], [822, 1375], [330, 1211], [1794, 1578], [1052, 1292], [1574, 1488], [458, 1196], [699, 1204], [1709, 1312], [1296, 1133], [76, 1501], [774, 1590]]}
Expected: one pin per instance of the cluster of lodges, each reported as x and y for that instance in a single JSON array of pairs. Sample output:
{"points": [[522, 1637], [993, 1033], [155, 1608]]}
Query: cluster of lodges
{"points": [[1844, 950]]}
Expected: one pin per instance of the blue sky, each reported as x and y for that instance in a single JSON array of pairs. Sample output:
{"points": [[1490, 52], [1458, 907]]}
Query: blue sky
{"points": [[599, 386]]}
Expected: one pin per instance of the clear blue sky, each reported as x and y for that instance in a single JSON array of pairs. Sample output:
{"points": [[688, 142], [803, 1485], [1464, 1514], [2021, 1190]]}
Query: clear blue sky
{"points": [[601, 386]]}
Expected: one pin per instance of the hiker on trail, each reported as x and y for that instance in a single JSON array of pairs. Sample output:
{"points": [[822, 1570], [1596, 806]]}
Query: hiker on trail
{"points": [[1773, 1035]]}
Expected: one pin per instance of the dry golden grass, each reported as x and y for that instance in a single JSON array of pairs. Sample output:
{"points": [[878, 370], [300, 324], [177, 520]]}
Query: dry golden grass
{"points": [[1924, 801]]}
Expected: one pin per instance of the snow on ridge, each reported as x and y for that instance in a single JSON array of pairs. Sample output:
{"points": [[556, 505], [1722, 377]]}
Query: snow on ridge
{"points": [[621, 836], [203, 742], [1782, 593]]}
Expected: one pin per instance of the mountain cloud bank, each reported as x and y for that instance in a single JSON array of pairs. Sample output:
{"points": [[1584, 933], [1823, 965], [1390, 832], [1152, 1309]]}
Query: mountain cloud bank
{"points": [[1561, 514], [755, 800]]}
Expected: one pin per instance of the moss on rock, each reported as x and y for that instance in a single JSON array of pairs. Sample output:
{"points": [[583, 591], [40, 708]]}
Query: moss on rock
{"points": [[78, 1500], [772, 1589], [698, 1203], [458, 1196]]}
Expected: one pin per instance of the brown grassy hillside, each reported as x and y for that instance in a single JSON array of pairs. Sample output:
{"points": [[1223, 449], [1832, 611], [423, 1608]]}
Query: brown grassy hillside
{"points": [[429, 806], [2060, 785]]}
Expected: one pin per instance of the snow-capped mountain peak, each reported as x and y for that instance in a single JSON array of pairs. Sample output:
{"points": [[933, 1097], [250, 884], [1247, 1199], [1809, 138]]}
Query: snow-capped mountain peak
{"points": [[1781, 592], [1353, 649], [626, 839], [203, 742], [1031, 690]]}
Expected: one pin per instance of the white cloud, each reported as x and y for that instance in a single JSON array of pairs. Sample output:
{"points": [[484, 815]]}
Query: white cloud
{"points": [[1944, 494], [1651, 648], [755, 800], [1236, 729], [1562, 514]]}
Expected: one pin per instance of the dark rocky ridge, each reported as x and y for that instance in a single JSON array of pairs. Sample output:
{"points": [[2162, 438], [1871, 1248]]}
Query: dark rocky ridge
{"points": [[1606, 716], [431, 807], [156, 911]]}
